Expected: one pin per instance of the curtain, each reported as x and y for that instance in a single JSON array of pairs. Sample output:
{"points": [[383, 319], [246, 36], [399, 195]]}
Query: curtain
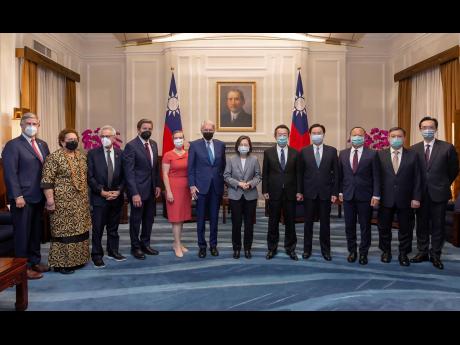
{"points": [[404, 106], [29, 85], [70, 103], [51, 106], [450, 74], [427, 100]]}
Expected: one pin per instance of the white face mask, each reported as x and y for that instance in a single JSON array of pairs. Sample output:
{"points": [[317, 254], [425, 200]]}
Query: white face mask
{"points": [[243, 149], [178, 143], [106, 142], [30, 131]]}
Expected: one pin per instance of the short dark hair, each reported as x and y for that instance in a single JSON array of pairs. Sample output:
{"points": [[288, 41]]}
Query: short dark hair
{"points": [[428, 118], [283, 127], [64, 132], [142, 121], [317, 125], [239, 92], [392, 129], [239, 140], [351, 130]]}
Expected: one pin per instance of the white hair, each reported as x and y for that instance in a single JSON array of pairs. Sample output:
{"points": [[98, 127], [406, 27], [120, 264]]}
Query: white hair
{"points": [[208, 122], [27, 116], [114, 132]]}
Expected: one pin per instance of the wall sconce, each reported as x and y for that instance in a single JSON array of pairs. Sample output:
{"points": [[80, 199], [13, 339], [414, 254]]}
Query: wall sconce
{"points": [[18, 112]]}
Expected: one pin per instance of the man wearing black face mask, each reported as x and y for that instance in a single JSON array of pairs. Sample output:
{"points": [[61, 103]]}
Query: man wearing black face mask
{"points": [[140, 164], [206, 165]]}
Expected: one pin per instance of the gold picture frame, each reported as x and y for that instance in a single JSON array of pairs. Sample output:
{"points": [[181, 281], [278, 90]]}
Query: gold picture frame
{"points": [[238, 97]]}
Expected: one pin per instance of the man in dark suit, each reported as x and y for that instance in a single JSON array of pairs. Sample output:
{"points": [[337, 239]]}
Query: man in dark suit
{"points": [[319, 183], [235, 116], [438, 162], [359, 190], [142, 176], [400, 188], [106, 180], [280, 189], [206, 165], [23, 159]]}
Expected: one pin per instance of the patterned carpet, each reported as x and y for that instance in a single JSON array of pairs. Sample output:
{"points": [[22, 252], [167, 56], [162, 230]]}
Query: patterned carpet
{"points": [[165, 282]]}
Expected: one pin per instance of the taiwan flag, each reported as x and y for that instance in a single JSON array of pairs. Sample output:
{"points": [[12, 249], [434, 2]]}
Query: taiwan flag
{"points": [[172, 120], [299, 126]]}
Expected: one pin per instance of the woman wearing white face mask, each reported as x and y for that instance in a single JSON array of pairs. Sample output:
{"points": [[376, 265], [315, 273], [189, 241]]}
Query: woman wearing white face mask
{"points": [[178, 197], [242, 174]]}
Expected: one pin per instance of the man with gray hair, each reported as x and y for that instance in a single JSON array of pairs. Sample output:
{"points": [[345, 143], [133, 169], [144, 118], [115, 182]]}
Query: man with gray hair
{"points": [[206, 165], [23, 159], [106, 181]]}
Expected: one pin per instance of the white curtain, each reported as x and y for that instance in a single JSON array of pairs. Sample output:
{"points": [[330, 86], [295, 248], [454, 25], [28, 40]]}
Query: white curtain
{"points": [[427, 100], [50, 105]]}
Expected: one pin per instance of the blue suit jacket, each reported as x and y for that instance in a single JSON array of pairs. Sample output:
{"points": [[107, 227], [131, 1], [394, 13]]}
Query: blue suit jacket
{"points": [[23, 169], [98, 175], [141, 177], [365, 183], [200, 171]]}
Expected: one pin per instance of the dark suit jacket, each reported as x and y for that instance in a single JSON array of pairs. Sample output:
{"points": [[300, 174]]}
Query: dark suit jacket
{"points": [[399, 189], [365, 183], [141, 177], [244, 120], [322, 181], [23, 169], [441, 171], [274, 177], [97, 175], [200, 171]]}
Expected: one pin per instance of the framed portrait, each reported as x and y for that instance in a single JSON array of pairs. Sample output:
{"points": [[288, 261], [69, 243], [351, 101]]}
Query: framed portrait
{"points": [[236, 106]]}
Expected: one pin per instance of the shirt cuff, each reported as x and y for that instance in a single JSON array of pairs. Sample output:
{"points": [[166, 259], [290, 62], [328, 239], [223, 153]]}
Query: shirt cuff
{"points": [[376, 197]]}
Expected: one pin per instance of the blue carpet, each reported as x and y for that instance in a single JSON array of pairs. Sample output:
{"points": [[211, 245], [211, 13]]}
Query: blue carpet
{"points": [[165, 282]]}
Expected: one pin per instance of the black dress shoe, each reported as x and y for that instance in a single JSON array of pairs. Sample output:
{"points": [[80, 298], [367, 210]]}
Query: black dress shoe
{"points": [[215, 252], [202, 253], [327, 257], [352, 257], [420, 258], [403, 260], [247, 254], [386, 257], [236, 254], [270, 254], [138, 254], [306, 255], [362, 259], [292, 254], [99, 263], [437, 262], [150, 251], [64, 270], [116, 256]]}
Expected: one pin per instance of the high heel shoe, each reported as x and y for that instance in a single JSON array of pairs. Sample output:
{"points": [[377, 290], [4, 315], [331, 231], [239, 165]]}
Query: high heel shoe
{"points": [[178, 252], [183, 248]]}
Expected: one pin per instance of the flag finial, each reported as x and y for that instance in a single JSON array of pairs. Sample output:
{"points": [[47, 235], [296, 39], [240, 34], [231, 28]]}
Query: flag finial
{"points": [[299, 68], [172, 68]]}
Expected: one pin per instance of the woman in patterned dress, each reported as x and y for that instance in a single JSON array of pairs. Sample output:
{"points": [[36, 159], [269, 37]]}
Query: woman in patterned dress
{"points": [[65, 186]]}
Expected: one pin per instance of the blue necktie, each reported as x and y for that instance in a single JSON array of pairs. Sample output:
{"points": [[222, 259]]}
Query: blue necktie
{"points": [[283, 160], [211, 156], [317, 157]]}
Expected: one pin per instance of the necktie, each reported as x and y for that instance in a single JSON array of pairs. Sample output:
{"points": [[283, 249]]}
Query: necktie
{"points": [[37, 152], [283, 160], [427, 154], [211, 156], [355, 161], [109, 170], [395, 161], [317, 157], [147, 151]]}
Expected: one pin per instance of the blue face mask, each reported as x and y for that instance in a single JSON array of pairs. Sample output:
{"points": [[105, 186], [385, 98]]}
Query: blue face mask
{"points": [[282, 140], [357, 140], [317, 139], [428, 133], [396, 142]]}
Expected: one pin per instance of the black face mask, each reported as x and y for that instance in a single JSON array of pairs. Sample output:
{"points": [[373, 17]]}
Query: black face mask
{"points": [[71, 145], [208, 135], [146, 135]]}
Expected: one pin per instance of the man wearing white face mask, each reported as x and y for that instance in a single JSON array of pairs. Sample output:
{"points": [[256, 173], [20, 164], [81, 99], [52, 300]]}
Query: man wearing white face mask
{"points": [[23, 159], [438, 162], [107, 182]]}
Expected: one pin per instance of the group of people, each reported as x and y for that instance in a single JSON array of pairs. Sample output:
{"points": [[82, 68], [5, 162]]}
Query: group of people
{"points": [[397, 180]]}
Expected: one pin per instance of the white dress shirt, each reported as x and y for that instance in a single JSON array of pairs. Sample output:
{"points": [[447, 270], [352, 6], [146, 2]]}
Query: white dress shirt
{"points": [[112, 156], [234, 116], [399, 155], [320, 150], [29, 140], [211, 146], [150, 148], [243, 162], [431, 143], [278, 149], [352, 154]]}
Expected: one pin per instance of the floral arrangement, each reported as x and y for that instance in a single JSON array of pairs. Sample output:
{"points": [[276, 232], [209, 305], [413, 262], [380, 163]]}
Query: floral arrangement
{"points": [[91, 139], [377, 139]]}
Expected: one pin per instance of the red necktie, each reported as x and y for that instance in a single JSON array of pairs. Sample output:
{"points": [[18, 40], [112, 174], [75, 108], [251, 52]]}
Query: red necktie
{"points": [[355, 161], [147, 151], [37, 152]]}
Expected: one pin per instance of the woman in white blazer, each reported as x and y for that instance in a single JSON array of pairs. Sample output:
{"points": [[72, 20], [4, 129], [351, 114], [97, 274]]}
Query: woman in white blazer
{"points": [[242, 174]]}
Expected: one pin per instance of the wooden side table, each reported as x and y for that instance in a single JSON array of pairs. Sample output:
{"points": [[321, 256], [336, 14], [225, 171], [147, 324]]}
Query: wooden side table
{"points": [[13, 271]]}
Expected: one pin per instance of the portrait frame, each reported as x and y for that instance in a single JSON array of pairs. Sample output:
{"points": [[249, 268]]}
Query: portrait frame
{"points": [[223, 122]]}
